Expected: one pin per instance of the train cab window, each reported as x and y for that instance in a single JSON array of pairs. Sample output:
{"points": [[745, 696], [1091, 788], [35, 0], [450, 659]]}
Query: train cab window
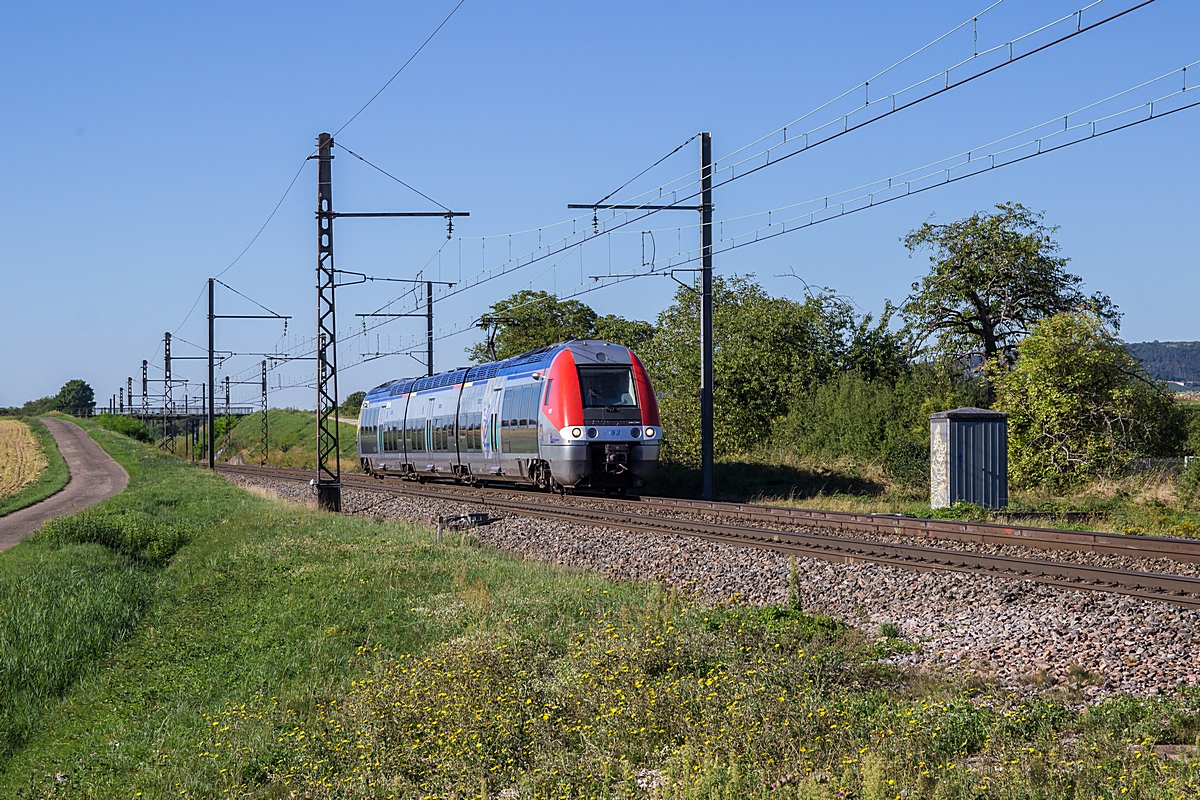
{"points": [[546, 396], [607, 387]]}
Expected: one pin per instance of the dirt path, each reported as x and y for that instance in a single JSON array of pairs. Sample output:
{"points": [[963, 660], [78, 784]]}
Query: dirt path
{"points": [[94, 477]]}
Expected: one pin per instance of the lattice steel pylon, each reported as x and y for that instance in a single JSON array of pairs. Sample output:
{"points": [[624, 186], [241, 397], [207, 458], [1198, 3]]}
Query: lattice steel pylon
{"points": [[168, 442], [329, 467], [265, 441]]}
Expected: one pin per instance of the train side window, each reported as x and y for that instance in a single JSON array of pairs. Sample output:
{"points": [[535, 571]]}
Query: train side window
{"points": [[505, 408], [546, 396], [530, 412]]}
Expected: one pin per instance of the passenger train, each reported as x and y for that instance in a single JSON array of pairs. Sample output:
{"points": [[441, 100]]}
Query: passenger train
{"points": [[581, 414]]}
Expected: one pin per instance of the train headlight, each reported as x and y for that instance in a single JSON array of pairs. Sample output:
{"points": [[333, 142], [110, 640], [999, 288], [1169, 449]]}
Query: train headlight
{"points": [[651, 433], [634, 432], [576, 433], [592, 432]]}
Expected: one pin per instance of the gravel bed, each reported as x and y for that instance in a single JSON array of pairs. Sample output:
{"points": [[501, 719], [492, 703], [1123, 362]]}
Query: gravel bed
{"points": [[1019, 634], [1135, 563]]}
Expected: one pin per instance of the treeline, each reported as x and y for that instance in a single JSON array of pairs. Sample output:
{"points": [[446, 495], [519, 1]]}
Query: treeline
{"points": [[75, 397], [997, 321]]}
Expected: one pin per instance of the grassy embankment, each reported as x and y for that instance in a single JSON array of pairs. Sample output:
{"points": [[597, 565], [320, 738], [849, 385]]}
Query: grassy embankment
{"points": [[219, 643], [292, 437], [31, 468]]}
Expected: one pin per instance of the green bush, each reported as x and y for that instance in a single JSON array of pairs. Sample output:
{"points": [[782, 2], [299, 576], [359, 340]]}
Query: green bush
{"points": [[882, 421], [133, 533], [1078, 408], [129, 426]]}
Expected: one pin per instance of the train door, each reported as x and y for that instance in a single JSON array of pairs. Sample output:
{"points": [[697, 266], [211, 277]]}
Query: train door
{"points": [[429, 462], [492, 440]]}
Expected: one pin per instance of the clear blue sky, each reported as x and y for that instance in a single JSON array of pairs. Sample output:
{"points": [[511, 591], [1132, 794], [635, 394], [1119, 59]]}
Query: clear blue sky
{"points": [[148, 142]]}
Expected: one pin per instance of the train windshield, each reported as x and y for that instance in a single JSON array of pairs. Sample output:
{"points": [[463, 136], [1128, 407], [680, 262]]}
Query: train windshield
{"points": [[607, 387]]}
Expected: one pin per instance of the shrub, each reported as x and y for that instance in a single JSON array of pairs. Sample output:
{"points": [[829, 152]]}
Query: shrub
{"points": [[880, 420], [128, 426], [1079, 408], [132, 533]]}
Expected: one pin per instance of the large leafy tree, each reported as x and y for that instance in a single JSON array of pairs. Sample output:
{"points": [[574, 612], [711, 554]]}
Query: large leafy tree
{"points": [[1078, 406], [75, 397], [766, 350], [529, 319], [992, 277]]}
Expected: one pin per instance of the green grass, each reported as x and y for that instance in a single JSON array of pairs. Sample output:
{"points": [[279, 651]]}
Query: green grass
{"points": [[292, 439], [222, 644], [50, 481]]}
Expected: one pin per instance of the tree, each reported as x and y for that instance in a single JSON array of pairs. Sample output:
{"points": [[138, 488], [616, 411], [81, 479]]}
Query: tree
{"points": [[766, 350], [992, 278], [75, 397], [1078, 406], [528, 319], [352, 404]]}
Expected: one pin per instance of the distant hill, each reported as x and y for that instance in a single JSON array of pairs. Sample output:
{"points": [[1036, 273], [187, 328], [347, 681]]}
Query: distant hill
{"points": [[1169, 361]]}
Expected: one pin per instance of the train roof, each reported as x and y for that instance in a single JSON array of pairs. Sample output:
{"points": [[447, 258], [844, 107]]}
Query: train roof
{"points": [[538, 358]]}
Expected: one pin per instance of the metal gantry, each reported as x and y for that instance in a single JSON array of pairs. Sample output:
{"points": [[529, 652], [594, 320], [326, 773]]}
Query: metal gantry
{"points": [[428, 314], [329, 466], [265, 441], [168, 442], [210, 444], [706, 311]]}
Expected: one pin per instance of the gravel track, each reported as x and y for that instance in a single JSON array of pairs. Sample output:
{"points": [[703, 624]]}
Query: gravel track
{"points": [[1019, 634]]}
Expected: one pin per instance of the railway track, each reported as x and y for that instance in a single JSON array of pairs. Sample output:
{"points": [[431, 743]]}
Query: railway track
{"points": [[631, 515]]}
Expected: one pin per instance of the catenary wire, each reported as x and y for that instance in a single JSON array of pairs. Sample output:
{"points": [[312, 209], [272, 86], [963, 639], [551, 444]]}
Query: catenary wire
{"points": [[402, 67], [390, 175]]}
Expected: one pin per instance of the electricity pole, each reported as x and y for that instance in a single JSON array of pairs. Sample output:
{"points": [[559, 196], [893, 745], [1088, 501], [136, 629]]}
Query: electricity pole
{"points": [[428, 315], [265, 441], [212, 352], [428, 327], [168, 402], [145, 393], [129, 393], [211, 394], [706, 318], [329, 467]]}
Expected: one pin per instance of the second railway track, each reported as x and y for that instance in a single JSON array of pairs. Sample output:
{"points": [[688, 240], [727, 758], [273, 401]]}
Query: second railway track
{"points": [[632, 515]]}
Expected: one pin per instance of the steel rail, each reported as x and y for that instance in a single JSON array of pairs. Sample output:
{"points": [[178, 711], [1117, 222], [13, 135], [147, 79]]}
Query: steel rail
{"points": [[1178, 589]]}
